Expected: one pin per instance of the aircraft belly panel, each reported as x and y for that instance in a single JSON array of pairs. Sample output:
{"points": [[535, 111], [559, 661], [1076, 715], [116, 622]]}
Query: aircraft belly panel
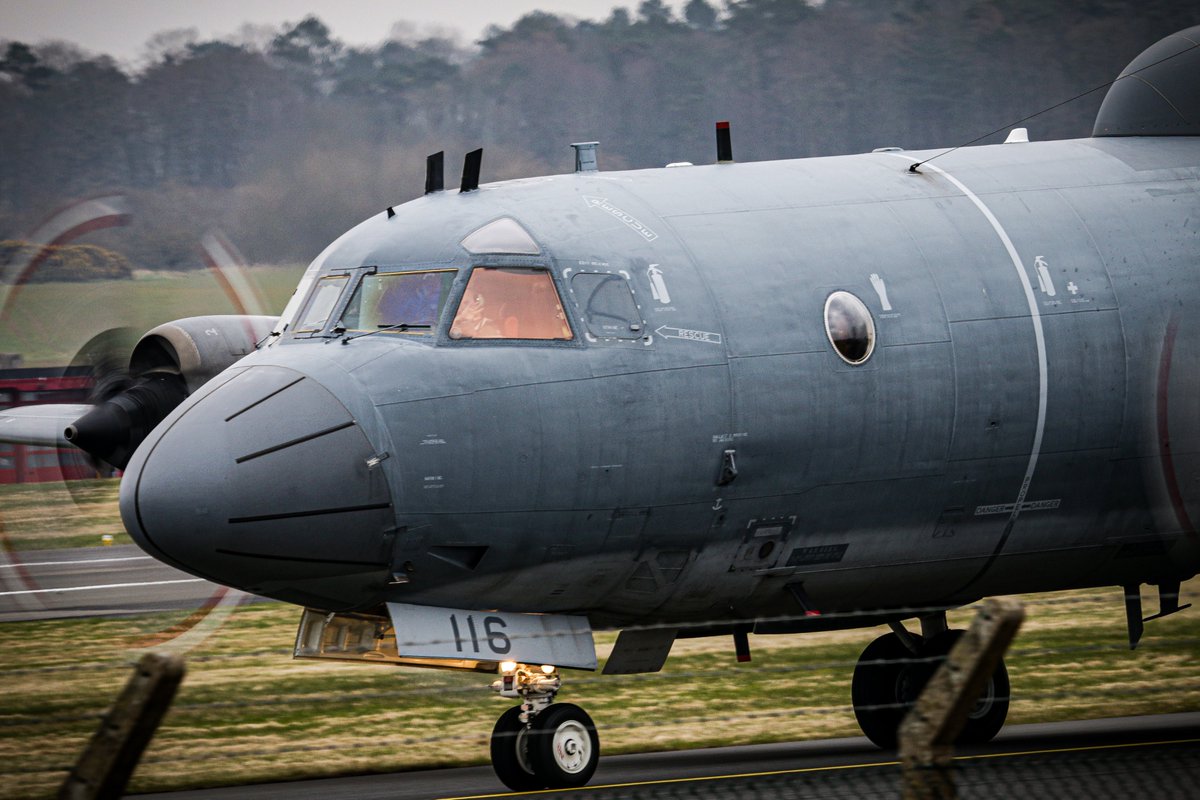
{"points": [[849, 538], [1074, 504]]}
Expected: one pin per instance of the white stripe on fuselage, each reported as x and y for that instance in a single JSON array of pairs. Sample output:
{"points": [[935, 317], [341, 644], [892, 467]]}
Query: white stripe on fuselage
{"points": [[1035, 315]]}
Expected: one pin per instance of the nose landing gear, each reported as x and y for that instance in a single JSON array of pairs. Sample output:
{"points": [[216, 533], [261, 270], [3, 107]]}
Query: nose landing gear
{"points": [[537, 745]]}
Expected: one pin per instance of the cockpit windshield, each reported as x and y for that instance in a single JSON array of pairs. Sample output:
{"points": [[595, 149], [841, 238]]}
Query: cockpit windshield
{"points": [[517, 303], [324, 296], [399, 302]]}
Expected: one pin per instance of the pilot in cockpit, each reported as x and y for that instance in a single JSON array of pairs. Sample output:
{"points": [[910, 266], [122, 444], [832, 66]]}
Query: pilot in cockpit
{"points": [[473, 320]]}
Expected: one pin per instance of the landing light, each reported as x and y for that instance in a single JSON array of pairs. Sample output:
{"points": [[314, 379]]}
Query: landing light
{"points": [[548, 669], [508, 666]]}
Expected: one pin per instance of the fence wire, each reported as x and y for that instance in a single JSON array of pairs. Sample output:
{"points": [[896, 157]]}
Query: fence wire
{"points": [[399, 743], [1156, 771], [1183, 646], [848, 617]]}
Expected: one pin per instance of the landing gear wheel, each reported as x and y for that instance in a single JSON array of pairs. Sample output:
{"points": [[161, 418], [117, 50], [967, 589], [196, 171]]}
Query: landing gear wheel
{"points": [[563, 746], [987, 716], [510, 753], [882, 691]]}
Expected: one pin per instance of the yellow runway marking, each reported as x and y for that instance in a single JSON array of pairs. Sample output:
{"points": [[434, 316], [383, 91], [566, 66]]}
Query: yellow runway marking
{"points": [[1077, 749], [664, 781], [803, 770]]}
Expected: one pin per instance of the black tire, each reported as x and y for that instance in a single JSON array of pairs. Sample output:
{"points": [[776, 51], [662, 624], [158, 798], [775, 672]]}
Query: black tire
{"points": [[881, 689], [563, 746], [510, 753], [987, 717]]}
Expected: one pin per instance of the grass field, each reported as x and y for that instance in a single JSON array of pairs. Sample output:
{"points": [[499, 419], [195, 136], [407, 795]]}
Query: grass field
{"points": [[81, 514], [47, 323], [248, 712]]}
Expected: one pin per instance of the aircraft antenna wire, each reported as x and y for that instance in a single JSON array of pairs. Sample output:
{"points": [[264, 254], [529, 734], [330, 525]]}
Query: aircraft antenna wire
{"points": [[915, 165]]}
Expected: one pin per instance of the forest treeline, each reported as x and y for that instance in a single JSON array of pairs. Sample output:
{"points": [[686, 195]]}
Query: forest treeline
{"points": [[286, 142]]}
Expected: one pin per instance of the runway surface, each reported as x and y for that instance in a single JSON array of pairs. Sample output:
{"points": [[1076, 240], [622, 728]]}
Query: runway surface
{"points": [[1095, 758], [93, 582]]}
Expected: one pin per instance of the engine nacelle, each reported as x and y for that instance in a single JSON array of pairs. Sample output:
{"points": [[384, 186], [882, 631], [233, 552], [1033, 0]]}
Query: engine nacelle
{"points": [[168, 363], [197, 348]]}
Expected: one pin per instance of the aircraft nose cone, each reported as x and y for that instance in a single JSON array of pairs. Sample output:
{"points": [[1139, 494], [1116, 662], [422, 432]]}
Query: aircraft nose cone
{"points": [[266, 483]]}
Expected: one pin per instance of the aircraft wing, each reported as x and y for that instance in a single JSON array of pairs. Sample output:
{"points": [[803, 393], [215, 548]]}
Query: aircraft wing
{"points": [[41, 425]]}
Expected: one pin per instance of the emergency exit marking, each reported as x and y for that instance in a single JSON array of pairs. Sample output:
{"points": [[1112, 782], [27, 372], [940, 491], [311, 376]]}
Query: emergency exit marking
{"points": [[708, 337]]}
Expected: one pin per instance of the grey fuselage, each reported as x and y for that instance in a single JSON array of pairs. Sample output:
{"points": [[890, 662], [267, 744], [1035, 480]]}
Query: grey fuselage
{"points": [[1028, 420]]}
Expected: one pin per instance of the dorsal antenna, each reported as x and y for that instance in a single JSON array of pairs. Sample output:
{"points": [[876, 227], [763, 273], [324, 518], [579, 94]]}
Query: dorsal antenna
{"points": [[435, 173], [724, 143], [470, 175]]}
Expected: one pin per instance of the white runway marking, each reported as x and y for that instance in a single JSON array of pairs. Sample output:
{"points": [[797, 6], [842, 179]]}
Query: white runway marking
{"points": [[102, 587], [69, 563]]}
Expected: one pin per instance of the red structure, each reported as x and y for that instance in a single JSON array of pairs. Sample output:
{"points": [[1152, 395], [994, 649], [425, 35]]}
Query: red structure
{"points": [[30, 386]]}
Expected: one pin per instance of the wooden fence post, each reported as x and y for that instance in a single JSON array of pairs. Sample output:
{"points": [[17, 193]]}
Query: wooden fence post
{"points": [[110, 757], [928, 732]]}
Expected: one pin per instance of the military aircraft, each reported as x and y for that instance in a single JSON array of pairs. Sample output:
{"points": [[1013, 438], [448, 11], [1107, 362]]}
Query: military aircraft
{"points": [[704, 400]]}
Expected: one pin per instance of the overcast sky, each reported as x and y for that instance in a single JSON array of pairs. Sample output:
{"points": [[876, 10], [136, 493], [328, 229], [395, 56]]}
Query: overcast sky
{"points": [[121, 27]]}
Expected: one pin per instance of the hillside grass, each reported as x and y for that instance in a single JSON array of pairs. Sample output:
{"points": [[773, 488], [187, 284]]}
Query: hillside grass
{"points": [[247, 712]]}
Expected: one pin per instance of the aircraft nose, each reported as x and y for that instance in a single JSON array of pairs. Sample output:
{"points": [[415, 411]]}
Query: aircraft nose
{"points": [[266, 483]]}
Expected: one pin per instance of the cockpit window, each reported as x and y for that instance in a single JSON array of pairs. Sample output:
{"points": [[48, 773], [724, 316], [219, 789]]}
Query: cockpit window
{"points": [[398, 302], [849, 326], [608, 305], [321, 304], [509, 303]]}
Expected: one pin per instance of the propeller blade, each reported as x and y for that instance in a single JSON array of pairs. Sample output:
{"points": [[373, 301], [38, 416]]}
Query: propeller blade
{"points": [[40, 426]]}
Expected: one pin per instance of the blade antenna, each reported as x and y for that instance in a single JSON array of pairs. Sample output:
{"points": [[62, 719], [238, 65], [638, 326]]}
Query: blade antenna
{"points": [[724, 144], [435, 177], [470, 175]]}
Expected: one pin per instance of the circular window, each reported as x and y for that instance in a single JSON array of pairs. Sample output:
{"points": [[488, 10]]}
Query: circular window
{"points": [[849, 326]]}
